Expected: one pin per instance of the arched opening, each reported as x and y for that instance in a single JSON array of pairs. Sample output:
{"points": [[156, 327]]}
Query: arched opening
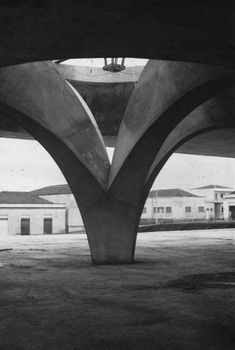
{"points": [[216, 142], [62, 157], [163, 108], [29, 183], [108, 204]]}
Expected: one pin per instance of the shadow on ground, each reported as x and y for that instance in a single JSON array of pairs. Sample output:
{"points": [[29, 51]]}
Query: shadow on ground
{"points": [[180, 294]]}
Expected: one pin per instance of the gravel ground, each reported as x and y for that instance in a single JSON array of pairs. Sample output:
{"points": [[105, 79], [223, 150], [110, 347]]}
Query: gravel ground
{"points": [[180, 294]]}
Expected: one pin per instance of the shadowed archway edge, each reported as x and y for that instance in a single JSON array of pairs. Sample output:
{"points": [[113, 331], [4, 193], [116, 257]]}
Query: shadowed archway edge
{"points": [[82, 183], [62, 155], [130, 179], [219, 109], [162, 162], [161, 85], [40, 92]]}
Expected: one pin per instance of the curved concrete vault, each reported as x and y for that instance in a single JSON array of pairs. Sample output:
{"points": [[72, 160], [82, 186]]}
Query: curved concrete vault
{"points": [[171, 103]]}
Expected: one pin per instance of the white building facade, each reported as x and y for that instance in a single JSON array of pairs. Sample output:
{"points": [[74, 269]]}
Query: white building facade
{"points": [[61, 194], [229, 206], [169, 205], [23, 214], [214, 199], [164, 205]]}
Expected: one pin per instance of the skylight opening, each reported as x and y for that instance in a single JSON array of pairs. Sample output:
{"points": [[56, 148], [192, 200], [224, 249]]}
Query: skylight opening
{"points": [[99, 62]]}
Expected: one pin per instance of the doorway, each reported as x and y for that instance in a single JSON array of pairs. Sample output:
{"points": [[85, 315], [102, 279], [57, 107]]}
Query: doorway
{"points": [[232, 211], [25, 226], [3, 226], [47, 226]]}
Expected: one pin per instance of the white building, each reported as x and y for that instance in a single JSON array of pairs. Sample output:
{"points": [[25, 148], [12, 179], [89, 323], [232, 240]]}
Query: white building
{"points": [[172, 205], [164, 205], [229, 206], [61, 194], [22, 213], [214, 199]]}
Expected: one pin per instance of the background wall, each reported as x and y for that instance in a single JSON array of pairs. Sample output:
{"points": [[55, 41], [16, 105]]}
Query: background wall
{"points": [[36, 217]]}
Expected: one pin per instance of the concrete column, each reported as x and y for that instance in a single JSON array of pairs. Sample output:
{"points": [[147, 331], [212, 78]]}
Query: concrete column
{"points": [[111, 231]]}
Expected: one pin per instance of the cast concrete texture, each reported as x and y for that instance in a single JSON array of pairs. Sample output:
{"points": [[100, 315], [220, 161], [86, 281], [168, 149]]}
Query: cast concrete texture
{"points": [[172, 102], [178, 295], [185, 30], [177, 101], [107, 96], [38, 91]]}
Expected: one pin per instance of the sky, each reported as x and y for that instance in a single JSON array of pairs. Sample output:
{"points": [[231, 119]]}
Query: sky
{"points": [[25, 165]]}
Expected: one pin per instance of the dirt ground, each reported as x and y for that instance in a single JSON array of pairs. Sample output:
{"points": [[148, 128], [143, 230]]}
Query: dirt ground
{"points": [[180, 294]]}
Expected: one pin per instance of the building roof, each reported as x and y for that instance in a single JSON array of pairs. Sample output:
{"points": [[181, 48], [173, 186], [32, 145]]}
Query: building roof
{"points": [[50, 190], [8, 197], [171, 192], [209, 187], [233, 192]]}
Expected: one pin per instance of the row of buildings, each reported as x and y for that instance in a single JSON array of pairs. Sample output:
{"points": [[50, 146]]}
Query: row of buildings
{"points": [[53, 209], [212, 202]]}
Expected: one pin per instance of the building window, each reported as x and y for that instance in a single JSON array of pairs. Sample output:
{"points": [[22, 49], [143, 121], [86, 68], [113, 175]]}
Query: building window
{"points": [[187, 209], [222, 209], [144, 210], [168, 209], [154, 209], [216, 196], [222, 195], [160, 210], [201, 209]]}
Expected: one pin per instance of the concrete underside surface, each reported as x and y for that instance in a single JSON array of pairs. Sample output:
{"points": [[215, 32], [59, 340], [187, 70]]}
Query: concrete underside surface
{"points": [[200, 31], [180, 294]]}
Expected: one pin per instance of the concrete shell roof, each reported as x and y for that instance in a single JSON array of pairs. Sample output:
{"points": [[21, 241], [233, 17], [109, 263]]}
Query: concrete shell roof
{"points": [[52, 190], [172, 192], [7, 197], [198, 31]]}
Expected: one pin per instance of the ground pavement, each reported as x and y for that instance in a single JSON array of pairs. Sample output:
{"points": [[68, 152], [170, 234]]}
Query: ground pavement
{"points": [[180, 294]]}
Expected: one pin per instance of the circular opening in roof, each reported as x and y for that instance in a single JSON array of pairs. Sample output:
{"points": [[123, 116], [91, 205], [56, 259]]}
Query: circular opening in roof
{"points": [[99, 62]]}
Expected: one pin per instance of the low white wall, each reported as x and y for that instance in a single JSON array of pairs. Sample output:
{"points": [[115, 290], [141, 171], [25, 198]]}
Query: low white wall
{"points": [[36, 217]]}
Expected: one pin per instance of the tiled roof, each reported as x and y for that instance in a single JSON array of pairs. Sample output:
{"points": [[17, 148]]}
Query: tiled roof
{"points": [[50, 190], [208, 187], [8, 197], [171, 192]]}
